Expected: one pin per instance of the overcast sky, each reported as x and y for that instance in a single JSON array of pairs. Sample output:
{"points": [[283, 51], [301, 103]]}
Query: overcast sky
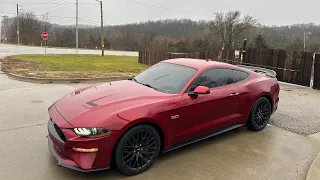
{"points": [[267, 12]]}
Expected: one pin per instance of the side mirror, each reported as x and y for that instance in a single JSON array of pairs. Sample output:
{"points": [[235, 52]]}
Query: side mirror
{"points": [[200, 90]]}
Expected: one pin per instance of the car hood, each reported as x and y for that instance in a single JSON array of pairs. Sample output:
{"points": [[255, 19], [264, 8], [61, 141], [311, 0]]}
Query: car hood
{"points": [[99, 102]]}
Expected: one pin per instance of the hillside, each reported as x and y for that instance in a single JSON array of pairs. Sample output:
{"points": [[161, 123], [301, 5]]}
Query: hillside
{"points": [[169, 34]]}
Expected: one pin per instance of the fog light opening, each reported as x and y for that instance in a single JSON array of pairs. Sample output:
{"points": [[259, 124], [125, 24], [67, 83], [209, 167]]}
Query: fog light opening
{"points": [[92, 150]]}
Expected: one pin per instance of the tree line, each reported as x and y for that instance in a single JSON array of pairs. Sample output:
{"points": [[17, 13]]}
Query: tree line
{"points": [[177, 35]]}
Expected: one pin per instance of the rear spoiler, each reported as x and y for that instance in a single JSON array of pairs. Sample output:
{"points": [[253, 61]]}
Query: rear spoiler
{"points": [[259, 70]]}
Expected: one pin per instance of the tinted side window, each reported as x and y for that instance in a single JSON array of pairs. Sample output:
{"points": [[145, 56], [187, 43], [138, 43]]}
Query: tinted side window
{"points": [[239, 76], [213, 78]]}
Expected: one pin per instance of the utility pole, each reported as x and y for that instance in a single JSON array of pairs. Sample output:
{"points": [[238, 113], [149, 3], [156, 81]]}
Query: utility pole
{"points": [[4, 28], [224, 34], [18, 28], [244, 50], [304, 40], [102, 29], [77, 20]]}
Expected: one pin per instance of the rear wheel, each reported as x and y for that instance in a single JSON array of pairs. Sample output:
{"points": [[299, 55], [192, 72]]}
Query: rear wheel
{"points": [[137, 150], [260, 114]]}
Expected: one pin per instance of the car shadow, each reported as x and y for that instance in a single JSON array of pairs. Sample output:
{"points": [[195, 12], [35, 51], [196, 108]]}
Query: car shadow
{"points": [[202, 144], [113, 173]]}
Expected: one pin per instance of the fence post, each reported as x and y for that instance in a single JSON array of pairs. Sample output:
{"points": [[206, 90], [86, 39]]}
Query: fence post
{"points": [[316, 78], [243, 55]]}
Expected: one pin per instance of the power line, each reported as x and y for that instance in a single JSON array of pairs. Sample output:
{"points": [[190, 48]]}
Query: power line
{"points": [[40, 3], [56, 3], [90, 21], [95, 23], [168, 9], [42, 15], [64, 22]]}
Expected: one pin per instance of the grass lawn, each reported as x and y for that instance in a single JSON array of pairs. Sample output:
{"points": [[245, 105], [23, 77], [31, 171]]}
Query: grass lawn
{"points": [[72, 66]]}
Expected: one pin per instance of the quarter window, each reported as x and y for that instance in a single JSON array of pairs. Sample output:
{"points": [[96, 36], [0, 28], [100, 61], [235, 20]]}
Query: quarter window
{"points": [[239, 76]]}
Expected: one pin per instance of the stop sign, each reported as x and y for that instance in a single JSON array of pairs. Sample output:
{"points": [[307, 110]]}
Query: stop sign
{"points": [[45, 36]]}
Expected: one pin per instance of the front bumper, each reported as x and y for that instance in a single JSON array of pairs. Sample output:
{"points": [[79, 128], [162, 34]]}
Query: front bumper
{"points": [[62, 140], [66, 162]]}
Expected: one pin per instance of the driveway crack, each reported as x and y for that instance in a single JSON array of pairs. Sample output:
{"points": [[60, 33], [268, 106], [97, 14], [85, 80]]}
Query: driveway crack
{"points": [[22, 127]]}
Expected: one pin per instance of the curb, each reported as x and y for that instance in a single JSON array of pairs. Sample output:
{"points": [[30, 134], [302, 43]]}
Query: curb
{"points": [[62, 80], [314, 171], [295, 85]]}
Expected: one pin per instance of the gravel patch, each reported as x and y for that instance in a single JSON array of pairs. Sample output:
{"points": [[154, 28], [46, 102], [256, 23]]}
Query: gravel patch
{"points": [[299, 110]]}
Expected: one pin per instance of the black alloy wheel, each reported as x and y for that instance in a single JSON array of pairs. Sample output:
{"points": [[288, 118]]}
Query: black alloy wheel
{"points": [[137, 150], [260, 114]]}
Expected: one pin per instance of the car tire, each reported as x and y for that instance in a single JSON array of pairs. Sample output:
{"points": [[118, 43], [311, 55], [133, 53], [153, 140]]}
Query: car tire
{"points": [[259, 115], [137, 150]]}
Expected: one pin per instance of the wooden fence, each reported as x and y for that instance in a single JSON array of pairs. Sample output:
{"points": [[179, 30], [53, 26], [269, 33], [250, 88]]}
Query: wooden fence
{"points": [[154, 57], [316, 79], [292, 67]]}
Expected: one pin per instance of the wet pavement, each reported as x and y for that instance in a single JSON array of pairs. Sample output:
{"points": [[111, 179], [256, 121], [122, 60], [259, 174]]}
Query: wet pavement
{"points": [[271, 154], [240, 154]]}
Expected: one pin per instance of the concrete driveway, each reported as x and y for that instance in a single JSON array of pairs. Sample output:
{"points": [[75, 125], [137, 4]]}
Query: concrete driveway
{"points": [[271, 154]]}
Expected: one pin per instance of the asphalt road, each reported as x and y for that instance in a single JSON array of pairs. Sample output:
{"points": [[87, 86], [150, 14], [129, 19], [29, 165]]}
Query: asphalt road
{"points": [[241, 154], [6, 50]]}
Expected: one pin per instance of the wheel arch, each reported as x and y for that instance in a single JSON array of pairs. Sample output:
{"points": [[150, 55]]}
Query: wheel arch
{"points": [[143, 121], [255, 99], [268, 96]]}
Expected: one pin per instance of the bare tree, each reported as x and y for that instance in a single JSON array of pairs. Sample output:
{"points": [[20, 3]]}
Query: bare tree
{"points": [[45, 22], [29, 28], [231, 26], [314, 47], [147, 42], [58, 37], [296, 45]]}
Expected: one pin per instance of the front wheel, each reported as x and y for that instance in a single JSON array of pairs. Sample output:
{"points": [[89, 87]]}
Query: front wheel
{"points": [[260, 114], [137, 150]]}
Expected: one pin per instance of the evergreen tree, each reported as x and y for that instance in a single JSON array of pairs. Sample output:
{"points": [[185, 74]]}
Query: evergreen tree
{"points": [[259, 41]]}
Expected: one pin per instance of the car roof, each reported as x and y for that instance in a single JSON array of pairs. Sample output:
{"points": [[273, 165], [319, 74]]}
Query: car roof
{"points": [[198, 63]]}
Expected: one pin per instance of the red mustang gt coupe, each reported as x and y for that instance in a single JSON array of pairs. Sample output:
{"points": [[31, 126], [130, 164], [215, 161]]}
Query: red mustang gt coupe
{"points": [[171, 104]]}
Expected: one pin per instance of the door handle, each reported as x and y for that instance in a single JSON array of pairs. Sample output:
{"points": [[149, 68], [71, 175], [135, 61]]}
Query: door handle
{"points": [[234, 94]]}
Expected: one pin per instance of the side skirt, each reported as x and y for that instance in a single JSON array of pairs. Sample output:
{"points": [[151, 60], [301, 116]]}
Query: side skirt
{"points": [[200, 138]]}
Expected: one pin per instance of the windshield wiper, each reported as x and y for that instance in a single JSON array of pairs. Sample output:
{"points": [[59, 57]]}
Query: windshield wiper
{"points": [[148, 85], [133, 79]]}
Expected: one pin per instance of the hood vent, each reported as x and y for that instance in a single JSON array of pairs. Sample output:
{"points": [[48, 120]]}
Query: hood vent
{"points": [[92, 104]]}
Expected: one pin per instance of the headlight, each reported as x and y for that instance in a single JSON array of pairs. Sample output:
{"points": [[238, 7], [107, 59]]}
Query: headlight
{"points": [[92, 132]]}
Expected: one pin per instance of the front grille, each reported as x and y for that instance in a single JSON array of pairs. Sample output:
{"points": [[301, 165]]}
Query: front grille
{"points": [[56, 131]]}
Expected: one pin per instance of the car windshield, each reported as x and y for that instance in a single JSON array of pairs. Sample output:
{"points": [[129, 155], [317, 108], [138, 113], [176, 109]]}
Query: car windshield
{"points": [[166, 77]]}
